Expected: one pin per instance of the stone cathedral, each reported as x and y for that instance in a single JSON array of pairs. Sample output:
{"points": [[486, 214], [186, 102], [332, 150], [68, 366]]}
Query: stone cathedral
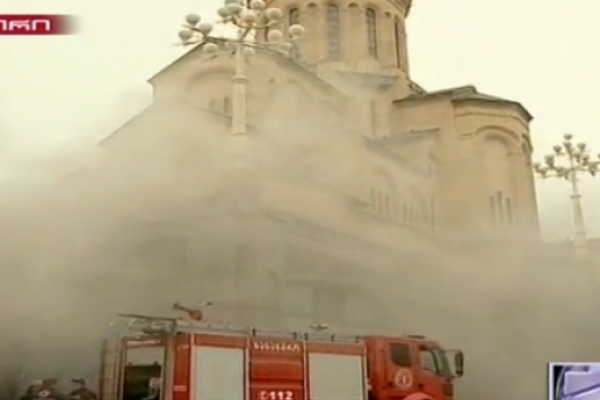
{"points": [[363, 187]]}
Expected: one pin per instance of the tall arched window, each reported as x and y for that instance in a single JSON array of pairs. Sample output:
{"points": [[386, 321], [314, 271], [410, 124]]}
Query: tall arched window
{"points": [[293, 16], [265, 22], [497, 172], [371, 17], [398, 38], [333, 32]]}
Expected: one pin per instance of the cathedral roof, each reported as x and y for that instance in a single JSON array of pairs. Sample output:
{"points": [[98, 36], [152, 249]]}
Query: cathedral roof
{"points": [[465, 93], [221, 42]]}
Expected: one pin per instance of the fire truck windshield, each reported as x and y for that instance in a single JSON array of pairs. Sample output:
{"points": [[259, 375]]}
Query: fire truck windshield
{"points": [[434, 359], [444, 368]]}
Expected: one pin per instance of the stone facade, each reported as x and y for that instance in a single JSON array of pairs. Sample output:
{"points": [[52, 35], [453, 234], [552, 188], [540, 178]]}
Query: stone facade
{"points": [[355, 170]]}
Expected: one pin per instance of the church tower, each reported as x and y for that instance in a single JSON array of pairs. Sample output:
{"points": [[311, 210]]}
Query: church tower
{"points": [[351, 37]]}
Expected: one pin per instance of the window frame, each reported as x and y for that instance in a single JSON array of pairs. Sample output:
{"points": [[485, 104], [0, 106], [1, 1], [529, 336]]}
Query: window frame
{"points": [[408, 354], [333, 31], [371, 20], [428, 350], [398, 38]]}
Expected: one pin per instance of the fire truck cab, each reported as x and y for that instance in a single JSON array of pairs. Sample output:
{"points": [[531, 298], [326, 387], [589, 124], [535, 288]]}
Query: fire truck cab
{"points": [[202, 362]]}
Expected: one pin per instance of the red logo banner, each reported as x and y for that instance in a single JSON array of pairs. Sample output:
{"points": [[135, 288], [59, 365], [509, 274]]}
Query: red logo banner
{"points": [[36, 24]]}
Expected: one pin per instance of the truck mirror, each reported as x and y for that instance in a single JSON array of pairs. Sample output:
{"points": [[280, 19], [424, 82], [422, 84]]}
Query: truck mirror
{"points": [[459, 363]]}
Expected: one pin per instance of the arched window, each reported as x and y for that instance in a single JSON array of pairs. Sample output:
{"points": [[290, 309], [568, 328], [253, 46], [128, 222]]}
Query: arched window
{"points": [[497, 170], [265, 32], [333, 32], [293, 16], [371, 16], [399, 42]]}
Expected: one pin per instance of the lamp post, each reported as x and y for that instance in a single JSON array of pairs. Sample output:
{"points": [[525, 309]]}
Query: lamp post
{"points": [[250, 19], [577, 159]]}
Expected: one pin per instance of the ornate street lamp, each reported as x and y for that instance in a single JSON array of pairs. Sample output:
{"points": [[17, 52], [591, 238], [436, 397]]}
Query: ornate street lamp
{"points": [[577, 159], [250, 19]]}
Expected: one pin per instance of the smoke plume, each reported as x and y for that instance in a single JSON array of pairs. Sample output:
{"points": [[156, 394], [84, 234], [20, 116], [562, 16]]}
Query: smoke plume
{"points": [[152, 221]]}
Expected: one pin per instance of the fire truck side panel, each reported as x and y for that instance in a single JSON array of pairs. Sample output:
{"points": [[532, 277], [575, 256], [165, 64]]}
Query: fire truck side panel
{"points": [[337, 371], [182, 367], [277, 370], [218, 369]]}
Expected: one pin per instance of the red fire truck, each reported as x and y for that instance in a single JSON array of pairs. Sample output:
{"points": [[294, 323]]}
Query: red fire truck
{"points": [[171, 360]]}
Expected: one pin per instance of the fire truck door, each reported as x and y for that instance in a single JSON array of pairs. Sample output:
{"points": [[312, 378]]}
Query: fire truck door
{"points": [[399, 370], [218, 373]]}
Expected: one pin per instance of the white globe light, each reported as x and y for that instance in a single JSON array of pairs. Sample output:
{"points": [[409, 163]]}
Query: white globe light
{"points": [[223, 12], [274, 35], [257, 4], [185, 34], [248, 17], [234, 8], [274, 14], [248, 51], [192, 19], [296, 31], [210, 48], [205, 28]]}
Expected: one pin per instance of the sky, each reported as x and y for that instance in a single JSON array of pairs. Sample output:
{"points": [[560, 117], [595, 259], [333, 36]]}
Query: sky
{"points": [[61, 92]]}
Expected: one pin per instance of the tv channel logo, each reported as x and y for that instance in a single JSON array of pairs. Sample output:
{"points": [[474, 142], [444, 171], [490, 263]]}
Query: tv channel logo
{"points": [[37, 24]]}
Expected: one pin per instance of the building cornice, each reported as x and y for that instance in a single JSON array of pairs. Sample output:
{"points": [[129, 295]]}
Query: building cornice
{"points": [[329, 237], [385, 149], [496, 104], [489, 112], [416, 89], [466, 95]]}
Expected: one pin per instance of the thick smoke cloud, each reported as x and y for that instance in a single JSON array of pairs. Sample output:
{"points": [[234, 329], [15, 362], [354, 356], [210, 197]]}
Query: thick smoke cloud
{"points": [[78, 249]]}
